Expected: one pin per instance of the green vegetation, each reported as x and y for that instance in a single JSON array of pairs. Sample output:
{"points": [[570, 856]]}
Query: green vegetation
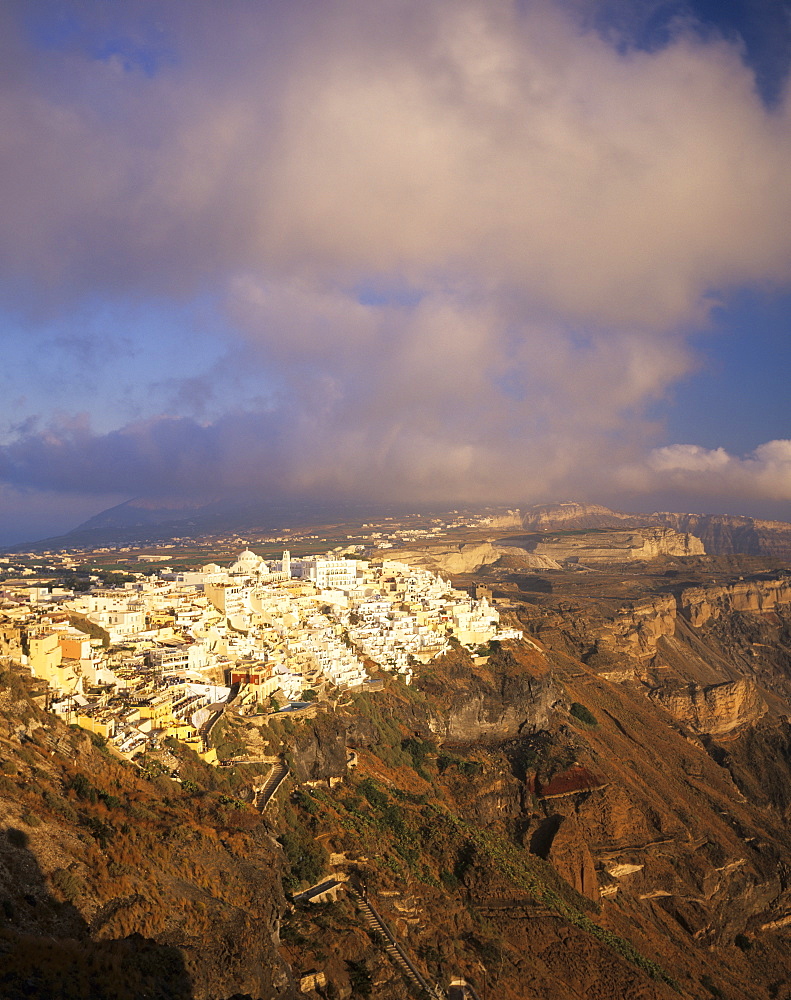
{"points": [[360, 978], [466, 768], [583, 714], [68, 884], [90, 628], [307, 859]]}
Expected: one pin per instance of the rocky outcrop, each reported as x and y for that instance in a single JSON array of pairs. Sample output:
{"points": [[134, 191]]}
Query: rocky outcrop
{"points": [[728, 534], [721, 534], [570, 514], [603, 547], [500, 711], [552, 551], [638, 628], [714, 710], [320, 750], [458, 559], [560, 841], [453, 559], [699, 604]]}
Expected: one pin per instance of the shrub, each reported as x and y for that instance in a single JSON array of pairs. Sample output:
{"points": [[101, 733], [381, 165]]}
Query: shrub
{"points": [[360, 978], [67, 883], [583, 714], [84, 789], [373, 793], [306, 857], [449, 880]]}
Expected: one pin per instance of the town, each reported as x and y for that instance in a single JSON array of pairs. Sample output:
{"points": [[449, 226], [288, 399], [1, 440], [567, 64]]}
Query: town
{"points": [[159, 655]]}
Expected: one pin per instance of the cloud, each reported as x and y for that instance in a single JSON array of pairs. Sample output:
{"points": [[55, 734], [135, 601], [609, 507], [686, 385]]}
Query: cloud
{"points": [[448, 398], [764, 474], [547, 215], [463, 142]]}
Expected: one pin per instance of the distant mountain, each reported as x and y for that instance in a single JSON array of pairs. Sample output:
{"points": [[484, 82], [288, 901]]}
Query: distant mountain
{"points": [[145, 521]]}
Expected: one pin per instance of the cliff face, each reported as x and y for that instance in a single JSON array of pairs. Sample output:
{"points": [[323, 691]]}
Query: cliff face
{"points": [[726, 534], [721, 534], [513, 693], [715, 710], [123, 885], [461, 559], [570, 514], [637, 629], [595, 548], [586, 814], [513, 706], [699, 604]]}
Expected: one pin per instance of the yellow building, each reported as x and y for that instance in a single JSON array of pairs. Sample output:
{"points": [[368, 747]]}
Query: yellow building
{"points": [[157, 708], [44, 654], [104, 727]]}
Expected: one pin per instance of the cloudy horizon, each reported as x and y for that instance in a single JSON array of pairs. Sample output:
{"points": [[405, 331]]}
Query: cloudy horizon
{"points": [[458, 252]]}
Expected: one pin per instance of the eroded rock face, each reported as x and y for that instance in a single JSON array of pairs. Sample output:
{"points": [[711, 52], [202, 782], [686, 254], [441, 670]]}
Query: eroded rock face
{"points": [[456, 559], [561, 842], [320, 751], [518, 704], [617, 546], [548, 516], [639, 627], [715, 710], [725, 534], [721, 534], [699, 604]]}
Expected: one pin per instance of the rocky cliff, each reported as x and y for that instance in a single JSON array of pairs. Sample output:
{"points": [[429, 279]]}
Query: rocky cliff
{"points": [[716, 710], [513, 693], [699, 604], [119, 882], [467, 558], [724, 534], [599, 812], [721, 534], [570, 514], [636, 629], [597, 547]]}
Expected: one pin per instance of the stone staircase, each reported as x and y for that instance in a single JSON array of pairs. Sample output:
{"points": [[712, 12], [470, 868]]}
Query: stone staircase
{"points": [[205, 730], [216, 714], [394, 950], [275, 779]]}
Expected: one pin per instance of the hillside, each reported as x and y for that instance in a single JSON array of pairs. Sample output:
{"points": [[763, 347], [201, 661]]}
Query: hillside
{"points": [[598, 811]]}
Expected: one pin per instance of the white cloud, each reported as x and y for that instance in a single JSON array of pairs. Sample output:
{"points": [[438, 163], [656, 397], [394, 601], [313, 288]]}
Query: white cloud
{"points": [[764, 474], [560, 212]]}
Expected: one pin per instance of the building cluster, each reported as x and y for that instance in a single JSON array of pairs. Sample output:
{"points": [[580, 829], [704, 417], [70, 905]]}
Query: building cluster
{"points": [[148, 660]]}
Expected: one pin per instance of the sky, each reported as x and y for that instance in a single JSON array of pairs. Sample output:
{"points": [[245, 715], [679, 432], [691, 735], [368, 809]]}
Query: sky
{"points": [[445, 252]]}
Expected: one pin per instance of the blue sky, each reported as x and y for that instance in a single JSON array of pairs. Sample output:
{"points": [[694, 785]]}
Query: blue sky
{"points": [[458, 252]]}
